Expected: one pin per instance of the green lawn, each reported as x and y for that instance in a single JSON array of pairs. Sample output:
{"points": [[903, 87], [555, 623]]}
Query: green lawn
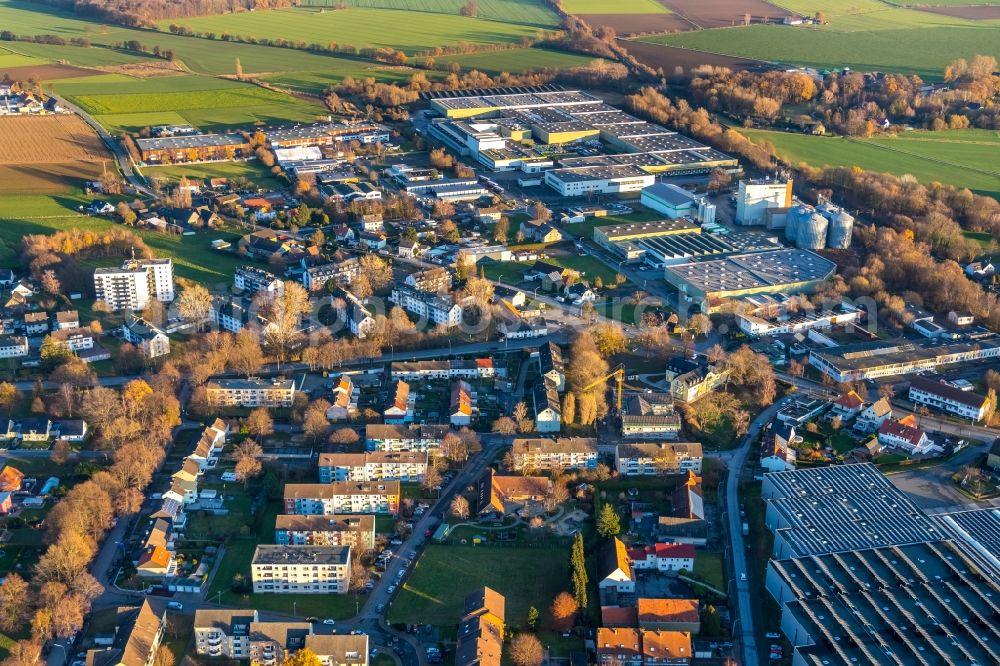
{"points": [[362, 28], [613, 7], [516, 60], [964, 158], [586, 229], [708, 567], [33, 214], [252, 170], [862, 34], [528, 12], [444, 575]]}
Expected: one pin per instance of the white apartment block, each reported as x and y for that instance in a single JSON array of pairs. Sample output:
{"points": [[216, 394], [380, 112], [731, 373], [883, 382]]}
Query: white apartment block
{"points": [[387, 437], [947, 398], [406, 466], [252, 280], [151, 340], [433, 307], [338, 497], [652, 459], [253, 392], [301, 569], [135, 284], [13, 346], [554, 454]]}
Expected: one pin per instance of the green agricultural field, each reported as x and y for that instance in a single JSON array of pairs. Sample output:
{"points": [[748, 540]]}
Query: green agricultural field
{"points": [[377, 28], [444, 575], [528, 12], [613, 7], [865, 35], [516, 60], [964, 158], [9, 59], [318, 81], [39, 214], [75, 55]]}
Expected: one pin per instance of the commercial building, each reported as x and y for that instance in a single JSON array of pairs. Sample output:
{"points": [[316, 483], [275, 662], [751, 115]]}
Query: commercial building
{"points": [[654, 459], [888, 358], [301, 569], [406, 466], [327, 134], [709, 283], [357, 531], [670, 200], [388, 437], [564, 453], [253, 392], [580, 181], [193, 148], [945, 397], [819, 510], [650, 416], [757, 196], [437, 308], [918, 603], [135, 284], [759, 321], [324, 499], [616, 233]]}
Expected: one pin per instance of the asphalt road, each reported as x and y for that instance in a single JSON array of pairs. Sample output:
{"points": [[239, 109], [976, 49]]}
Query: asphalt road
{"points": [[744, 604]]}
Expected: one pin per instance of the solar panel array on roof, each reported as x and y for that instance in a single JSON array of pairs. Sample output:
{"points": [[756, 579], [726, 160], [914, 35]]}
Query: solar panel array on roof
{"points": [[979, 529], [475, 92], [918, 604]]}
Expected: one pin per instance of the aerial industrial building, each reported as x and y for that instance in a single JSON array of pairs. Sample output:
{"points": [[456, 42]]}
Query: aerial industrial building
{"points": [[709, 283], [755, 197], [821, 510], [521, 128], [815, 228], [889, 358]]}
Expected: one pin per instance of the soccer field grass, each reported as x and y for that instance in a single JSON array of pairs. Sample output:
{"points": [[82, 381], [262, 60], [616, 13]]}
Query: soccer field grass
{"points": [[964, 158], [363, 28]]}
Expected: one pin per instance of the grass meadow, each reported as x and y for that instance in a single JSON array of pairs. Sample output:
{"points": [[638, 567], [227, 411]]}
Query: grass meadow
{"points": [[865, 35], [964, 158], [527, 12], [516, 60], [407, 31]]}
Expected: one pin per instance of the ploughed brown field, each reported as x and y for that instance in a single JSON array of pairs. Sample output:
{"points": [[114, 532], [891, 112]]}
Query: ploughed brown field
{"points": [[671, 57], [49, 153], [722, 13], [974, 13], [639, 24], [46, 72]]}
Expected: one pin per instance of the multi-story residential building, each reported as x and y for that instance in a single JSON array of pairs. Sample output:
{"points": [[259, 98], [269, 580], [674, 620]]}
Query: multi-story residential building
{"points": [[650, 416], [948, 398], [431, 280], [423, 437], [480, 368], [651, 459], [13, 346], [151, 340], [323, 499], [463, 403], [315, 278], [135, 284], [231, 314], [353, 312], [252, 280], [663, 557], [406, 466], [400, 406], [690, 380], [548, 409], [223, 632], [626, 646], [554, 454], [339, 649], [253, 392], [873, 416], [669, 614], [271, 643], [481, 629], [36, 322], [66, 319], [550, 365], [138, 635], [437, 308], [357, 531], [301, 569]]}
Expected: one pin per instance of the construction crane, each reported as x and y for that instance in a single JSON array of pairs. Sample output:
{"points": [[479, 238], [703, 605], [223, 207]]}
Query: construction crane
{"points": [[619, 375]]}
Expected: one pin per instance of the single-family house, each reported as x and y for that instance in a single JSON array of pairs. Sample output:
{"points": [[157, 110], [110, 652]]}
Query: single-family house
{"points": [[507, 495], [615, 571], [399, 409], [777, 454], [873, 416], [463, 403], [547, 407]]}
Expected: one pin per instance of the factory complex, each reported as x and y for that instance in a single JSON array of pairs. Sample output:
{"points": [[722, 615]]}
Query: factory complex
{"points": [[864, 576], [529, 129]]}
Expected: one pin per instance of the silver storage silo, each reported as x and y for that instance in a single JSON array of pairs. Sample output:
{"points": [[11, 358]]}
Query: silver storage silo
{"points": [[795, 217], [811, 234], [838, 236]]}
